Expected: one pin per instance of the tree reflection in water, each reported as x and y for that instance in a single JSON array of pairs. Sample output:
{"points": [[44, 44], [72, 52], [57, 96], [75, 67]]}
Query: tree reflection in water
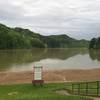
{"points": [[94, 54], [9, 58]]}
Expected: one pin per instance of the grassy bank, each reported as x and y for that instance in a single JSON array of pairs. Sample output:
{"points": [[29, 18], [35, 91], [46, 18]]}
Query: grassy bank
{"points": [[29, 92]]}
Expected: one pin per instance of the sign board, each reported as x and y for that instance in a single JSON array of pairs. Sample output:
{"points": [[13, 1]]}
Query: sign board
{"points": [[38, 73]]}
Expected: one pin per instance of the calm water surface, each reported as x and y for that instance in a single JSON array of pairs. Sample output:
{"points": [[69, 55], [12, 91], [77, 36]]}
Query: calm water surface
{"points": [[24, 60]]}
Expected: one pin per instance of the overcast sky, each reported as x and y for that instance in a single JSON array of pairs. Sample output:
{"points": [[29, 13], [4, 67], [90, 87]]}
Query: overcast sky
{"points": [[77, 18]]}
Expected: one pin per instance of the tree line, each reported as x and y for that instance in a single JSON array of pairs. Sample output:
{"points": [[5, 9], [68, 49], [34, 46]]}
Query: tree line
{"points": [[12, 38]]}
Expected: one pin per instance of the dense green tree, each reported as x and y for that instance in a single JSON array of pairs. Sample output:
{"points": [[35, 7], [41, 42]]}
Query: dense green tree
{"points": [[92, 43], [36, 43], [98, 43], [11, 38]]}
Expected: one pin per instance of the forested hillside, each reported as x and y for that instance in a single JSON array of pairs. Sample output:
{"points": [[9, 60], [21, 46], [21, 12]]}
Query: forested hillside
{"points": [[11, 38], [95, 43]]}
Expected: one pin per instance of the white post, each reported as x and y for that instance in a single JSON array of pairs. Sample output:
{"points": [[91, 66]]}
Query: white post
{"points": [[38, 73]]}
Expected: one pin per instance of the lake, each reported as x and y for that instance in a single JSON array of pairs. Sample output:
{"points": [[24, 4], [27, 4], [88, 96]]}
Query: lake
{"points": [[50, 59]]}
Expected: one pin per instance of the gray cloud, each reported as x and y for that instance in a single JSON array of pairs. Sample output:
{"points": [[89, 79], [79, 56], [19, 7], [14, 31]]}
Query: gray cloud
{"points": [[77, 18]]}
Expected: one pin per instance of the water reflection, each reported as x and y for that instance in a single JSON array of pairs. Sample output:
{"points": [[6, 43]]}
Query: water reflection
{"points": [[94, 54], [12, 57]]}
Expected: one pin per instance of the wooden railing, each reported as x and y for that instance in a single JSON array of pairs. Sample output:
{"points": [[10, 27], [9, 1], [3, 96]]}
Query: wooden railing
{"points": [[86, 88]]}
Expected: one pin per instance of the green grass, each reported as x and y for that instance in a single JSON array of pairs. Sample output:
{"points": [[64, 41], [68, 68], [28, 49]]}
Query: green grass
{"points": [[29, 92]]}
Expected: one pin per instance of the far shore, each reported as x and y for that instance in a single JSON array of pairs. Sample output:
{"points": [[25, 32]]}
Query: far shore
{"points": [[51, 76]]}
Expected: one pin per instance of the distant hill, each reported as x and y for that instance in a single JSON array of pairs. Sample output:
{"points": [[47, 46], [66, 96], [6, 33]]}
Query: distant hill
{"points": [[11, 38]]}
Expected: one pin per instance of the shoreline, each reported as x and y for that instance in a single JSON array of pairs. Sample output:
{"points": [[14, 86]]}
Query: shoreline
{"points": [[51, 76]]}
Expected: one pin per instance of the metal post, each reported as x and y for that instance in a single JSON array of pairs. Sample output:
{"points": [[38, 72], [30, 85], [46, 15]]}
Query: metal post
{"points": [[86, 88], [97, 88], [73, 88], [79, 89]]}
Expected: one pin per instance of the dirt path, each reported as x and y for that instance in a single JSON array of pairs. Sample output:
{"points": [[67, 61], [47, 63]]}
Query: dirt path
{"points": [[50, 76], [64, 92], [96, 98]]}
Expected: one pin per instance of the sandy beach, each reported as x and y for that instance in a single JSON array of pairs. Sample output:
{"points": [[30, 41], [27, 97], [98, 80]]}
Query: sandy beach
{"points": [[50, 76]]}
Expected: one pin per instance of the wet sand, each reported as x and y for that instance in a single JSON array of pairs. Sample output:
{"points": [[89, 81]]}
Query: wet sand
{"points": [[50, 76]]}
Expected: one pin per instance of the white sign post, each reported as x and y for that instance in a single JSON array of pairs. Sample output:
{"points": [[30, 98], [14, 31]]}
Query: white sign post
{"points": [[37, 73], [38, 79]]}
